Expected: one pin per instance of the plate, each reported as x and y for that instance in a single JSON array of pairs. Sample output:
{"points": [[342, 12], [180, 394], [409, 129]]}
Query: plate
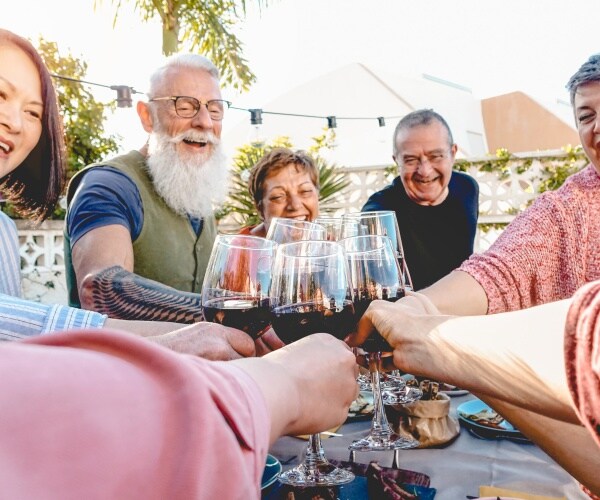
{"points": [[362, 407], [271, 472], [452, 390], [503, 428]]}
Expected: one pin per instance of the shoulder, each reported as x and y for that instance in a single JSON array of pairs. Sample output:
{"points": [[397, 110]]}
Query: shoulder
{"points": [[386, 197], [460, 180], [7, 223]]}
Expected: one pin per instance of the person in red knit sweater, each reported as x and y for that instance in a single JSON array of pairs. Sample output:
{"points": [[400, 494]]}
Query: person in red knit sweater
{"points": [[551, 249], [538, 359]]}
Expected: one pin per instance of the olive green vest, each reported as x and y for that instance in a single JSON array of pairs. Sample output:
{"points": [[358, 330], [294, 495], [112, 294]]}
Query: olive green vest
{"points": [[167, 249]]}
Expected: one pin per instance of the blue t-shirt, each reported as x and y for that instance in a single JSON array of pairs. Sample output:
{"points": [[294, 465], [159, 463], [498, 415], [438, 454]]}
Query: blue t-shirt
{"points": [[107, 196]]}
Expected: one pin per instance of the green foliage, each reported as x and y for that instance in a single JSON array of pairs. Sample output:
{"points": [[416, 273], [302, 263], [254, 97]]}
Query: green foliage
{"points": [[241, 205], [556, 169], [204, 27], [83, 117], [557, 172]]}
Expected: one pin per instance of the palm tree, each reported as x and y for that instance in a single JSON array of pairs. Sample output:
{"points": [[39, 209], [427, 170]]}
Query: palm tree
{"points": [[202, 26]]}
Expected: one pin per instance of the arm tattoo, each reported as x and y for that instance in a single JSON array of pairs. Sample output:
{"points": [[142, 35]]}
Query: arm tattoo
{"points": [[125, 295]]}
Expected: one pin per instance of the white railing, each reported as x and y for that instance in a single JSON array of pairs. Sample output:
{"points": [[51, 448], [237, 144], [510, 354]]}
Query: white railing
{"points": [[501, 198]]}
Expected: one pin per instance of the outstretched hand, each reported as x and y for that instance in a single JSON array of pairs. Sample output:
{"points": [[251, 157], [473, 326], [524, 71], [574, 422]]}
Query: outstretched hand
{"points": [[208, 340], [404, 325]]}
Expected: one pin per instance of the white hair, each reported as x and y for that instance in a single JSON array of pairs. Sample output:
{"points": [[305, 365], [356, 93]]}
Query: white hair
{"points": [[192, 184], [196, 61]]}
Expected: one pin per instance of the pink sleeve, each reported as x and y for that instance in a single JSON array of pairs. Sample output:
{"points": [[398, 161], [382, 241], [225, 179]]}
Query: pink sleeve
{"points": [[582, 355], [97, 414]]}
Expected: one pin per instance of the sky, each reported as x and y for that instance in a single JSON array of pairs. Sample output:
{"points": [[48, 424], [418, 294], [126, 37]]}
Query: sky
{"points": [[490, 46]]}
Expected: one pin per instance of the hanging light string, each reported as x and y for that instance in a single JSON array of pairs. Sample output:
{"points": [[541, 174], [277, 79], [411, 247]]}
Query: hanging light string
{"points": [[124, 100], [123, 91], [256, 116]]}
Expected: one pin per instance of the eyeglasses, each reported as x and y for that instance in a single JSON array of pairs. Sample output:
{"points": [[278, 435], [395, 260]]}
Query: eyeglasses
{"points": [[435, 158], [188, 107]]}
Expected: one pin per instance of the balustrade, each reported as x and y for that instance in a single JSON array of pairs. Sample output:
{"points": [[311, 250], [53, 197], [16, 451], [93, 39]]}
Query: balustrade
{"points": [[502, 197]]}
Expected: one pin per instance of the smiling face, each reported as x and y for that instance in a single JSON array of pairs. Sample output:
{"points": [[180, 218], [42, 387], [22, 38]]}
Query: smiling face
{"points": [[289, 193], [195, 137], [425, 158], [586, 105], [21, 107]]}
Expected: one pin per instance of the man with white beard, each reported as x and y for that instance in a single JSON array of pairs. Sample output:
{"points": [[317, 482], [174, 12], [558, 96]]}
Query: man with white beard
{"points": [[140, 227]]}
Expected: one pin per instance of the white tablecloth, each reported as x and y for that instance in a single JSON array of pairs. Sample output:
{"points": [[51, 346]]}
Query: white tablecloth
{"points": [[458, 469]]}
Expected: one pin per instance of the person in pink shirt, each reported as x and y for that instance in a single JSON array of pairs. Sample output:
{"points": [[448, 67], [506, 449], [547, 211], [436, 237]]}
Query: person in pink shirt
{"points": [[101, 415], [551, 249]]}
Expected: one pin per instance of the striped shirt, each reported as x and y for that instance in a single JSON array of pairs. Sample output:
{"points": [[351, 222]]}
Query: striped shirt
{"points": [[20, 318], [10, 266]]}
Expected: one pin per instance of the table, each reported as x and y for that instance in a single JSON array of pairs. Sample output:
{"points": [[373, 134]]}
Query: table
{"points": [[458, 469]]}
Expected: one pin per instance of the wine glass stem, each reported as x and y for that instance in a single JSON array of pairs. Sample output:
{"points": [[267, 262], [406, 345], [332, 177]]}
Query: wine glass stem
{"points": [[379, 425], [314, 454]]}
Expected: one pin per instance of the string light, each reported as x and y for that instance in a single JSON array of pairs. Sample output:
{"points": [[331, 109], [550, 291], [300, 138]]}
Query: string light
{"points": [[123, 91], [124, 100]]}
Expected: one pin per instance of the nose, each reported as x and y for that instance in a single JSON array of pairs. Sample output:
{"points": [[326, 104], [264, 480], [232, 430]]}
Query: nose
{"points": [[10, 118], [202, 119], [597, 124], [294, 203], [425, 167]]}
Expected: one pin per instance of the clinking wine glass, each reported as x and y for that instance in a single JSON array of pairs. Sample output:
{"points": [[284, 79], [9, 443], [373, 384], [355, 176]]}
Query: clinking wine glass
{"points": [[282, 230], [332, 225], [375, 275], [310, 293], [384, 223], [235, 291]]}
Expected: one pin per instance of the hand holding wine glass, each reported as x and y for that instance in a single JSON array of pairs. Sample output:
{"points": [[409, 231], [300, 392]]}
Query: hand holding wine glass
{"points": [[375, 275]]}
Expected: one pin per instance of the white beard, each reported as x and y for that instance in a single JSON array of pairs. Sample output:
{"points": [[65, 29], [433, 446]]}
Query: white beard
{"points": [[189, 184]]}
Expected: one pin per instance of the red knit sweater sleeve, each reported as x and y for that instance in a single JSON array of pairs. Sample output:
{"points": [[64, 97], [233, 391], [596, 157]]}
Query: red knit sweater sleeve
{"points": [[547, 252]]}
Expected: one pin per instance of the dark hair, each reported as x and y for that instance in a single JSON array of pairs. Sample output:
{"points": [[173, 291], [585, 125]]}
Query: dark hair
{"points": [[275, 160], [588, 72], [418, 118], [35, 186]]}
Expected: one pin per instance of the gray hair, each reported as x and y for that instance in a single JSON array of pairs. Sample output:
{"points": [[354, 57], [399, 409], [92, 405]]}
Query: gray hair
{"points": [[419, 118], [588, 72], [177, 61]]}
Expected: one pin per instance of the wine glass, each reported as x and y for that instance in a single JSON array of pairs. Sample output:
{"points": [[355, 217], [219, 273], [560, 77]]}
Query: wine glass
{"points": [[385, 223], [375, 274], [310, 293], [235, 291], [382, 222], [332, 225], [283, 230]]}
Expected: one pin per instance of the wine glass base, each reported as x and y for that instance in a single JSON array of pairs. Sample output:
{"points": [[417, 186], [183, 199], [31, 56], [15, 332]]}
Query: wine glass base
{"points": [[384, 442], [323, 474], [402, 397]]}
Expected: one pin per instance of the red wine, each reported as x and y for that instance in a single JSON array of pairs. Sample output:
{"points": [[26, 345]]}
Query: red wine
{"points": [[296, 321], [251, 315]]}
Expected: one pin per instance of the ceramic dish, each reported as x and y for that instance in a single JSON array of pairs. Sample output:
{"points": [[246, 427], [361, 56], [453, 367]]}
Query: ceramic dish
{"points": [[502, 430], [452, 390], [271, 472]]}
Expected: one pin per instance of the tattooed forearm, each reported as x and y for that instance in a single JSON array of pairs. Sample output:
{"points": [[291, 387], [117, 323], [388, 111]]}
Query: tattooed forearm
{"points": [[124, 295]]}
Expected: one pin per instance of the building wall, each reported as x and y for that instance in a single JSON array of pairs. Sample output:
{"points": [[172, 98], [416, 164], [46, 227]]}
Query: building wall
{"points": [[518, 123]]}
